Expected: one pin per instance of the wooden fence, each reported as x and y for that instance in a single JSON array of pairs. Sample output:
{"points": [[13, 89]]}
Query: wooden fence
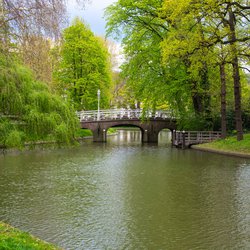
{"points": [[185, 139]]}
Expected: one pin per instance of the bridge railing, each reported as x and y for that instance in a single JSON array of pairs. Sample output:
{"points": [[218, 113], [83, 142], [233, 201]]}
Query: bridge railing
{"points": [[118, 114]]}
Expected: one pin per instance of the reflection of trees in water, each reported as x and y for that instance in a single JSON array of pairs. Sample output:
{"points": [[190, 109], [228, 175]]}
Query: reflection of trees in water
{"points": [[129, 135], [135, 135], [164, 136]]}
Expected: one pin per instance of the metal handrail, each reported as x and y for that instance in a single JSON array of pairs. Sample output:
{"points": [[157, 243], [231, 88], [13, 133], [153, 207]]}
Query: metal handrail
{"points": [[119, 114]]}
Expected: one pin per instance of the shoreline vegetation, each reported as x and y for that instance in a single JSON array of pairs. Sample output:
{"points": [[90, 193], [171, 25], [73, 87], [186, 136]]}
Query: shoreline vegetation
{"points": [[229, 146], [13, 238], [81, 135]]}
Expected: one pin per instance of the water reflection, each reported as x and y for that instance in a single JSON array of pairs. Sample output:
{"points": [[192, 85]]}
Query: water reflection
{"points": [[124, 195], [134, 136]]}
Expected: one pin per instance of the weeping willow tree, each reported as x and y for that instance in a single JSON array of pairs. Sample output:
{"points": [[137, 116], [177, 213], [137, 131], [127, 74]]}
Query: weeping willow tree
{"points": [[29, 111]]}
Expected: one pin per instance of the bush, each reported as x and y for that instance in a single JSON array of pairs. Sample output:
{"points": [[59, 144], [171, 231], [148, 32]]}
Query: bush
{"points": [[14, 139]]}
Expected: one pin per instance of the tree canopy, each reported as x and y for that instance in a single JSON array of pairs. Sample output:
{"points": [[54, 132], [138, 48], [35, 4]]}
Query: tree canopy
{"points": [[176, 51], [84, 67]]}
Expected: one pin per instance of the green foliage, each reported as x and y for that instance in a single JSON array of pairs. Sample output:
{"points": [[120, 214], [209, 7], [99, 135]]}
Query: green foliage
{"points": [[208, 34], [5, 129], [14, 139], [63, 134], [231, 120], [192, 122], [84, 67], [174, 50], [150, 77], [137, 23], [12, 238], [83, 133], [112, 130], [29, 110]]}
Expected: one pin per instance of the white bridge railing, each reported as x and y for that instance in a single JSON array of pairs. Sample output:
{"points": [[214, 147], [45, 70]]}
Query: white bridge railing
{"points": [[119, 114]]}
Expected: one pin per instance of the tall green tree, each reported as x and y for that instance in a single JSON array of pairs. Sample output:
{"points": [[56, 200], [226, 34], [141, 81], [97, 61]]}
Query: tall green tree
{"points": [[225, 25], [184, 42], [179, 52], [142, 30], [237, 14], [84, 67], [151, 81]]}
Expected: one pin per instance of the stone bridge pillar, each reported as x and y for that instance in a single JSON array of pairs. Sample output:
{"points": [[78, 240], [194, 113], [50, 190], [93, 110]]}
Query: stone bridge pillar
{"points": [[150, 133], [144, 136], [99, 133], [153, 136]]}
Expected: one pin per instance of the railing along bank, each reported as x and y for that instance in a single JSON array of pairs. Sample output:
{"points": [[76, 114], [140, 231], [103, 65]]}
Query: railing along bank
{"points": [[187, 138], [119, 114]]}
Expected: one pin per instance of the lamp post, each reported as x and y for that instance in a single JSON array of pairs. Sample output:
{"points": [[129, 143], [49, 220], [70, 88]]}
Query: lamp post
{"points": [[98, 110]]}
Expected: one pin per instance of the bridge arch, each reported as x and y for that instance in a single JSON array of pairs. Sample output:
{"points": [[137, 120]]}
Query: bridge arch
{"points": [[150, 129], [124, 124], [99, 121]]}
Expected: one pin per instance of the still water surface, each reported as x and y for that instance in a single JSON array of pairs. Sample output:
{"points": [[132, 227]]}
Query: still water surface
{"points": [[124, 195]]}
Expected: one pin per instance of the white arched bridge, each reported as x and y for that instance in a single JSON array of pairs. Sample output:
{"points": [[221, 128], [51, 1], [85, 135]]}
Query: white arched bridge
{"points": [[150, 123]]}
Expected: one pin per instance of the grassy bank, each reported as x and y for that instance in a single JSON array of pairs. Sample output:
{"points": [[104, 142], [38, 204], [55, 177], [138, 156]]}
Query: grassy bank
{"points": [[229, 144], [12, 238], [81, 133]]}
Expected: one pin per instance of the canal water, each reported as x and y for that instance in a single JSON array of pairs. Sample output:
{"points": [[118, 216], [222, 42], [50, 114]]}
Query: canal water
{"points": [[124, 195]]}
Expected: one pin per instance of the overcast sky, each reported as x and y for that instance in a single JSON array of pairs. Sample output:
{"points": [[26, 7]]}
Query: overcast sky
{"points": [[92, 14]]}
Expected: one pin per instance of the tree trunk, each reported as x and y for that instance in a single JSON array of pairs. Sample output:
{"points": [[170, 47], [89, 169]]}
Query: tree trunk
{"points": [[223, 101], [205, 97], [237, 99], [197, 101], [206, 87], [236, 77]]}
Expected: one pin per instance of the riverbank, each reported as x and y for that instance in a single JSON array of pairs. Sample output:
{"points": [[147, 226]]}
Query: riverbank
{"points": [[12, 238], [228, 146], [81, 136]]}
